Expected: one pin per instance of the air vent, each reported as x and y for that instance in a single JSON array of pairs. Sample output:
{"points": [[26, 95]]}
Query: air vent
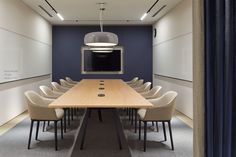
{"points": [[159, 10], [45, 11]]}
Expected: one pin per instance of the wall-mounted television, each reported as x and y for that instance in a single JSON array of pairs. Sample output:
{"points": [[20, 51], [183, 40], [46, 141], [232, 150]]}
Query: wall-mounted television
{"points": [[93, 62]]}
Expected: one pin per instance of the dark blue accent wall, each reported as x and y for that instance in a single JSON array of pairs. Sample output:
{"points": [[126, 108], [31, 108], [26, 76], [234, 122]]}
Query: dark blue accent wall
{"points": [[68, 40]]}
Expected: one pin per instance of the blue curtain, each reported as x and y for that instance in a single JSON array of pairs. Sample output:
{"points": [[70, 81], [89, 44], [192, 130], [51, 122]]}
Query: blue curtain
{"points": [[220, 78]]}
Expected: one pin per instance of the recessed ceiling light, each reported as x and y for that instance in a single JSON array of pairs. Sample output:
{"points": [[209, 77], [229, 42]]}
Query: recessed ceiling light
{"points": [[143, 17]]}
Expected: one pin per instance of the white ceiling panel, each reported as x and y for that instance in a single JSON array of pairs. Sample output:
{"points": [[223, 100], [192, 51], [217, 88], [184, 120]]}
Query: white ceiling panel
{"points": [[86, 12]]}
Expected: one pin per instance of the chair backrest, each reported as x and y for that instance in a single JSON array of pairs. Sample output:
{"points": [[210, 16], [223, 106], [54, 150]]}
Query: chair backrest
{"points": [[164, 107], [154, 92], [146, 86], [49, 93], [133, 80], [57, 87], [38, 107], [65, 84], [45, 91], [69, 80], [137, 83]]}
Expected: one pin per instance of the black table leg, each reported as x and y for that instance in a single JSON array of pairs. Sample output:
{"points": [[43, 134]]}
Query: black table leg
{"points": [[116, 120], [84, 127]]}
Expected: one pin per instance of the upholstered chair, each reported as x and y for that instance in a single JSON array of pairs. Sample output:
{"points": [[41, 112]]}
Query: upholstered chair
{"points": [[137, 83], [39, 111], [68, 79], [58, 88], [143, 88], [162, 111], [132, 81], [66, 84], [47, 92], [153, 93]]}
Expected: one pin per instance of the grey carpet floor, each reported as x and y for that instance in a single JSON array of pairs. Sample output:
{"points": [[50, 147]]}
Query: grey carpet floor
{"points": [[14, 142]]}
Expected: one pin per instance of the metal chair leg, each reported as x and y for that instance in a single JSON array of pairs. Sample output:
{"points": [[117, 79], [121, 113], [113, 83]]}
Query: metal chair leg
{"points": [[164, 130], [65, 120], [68, 116], [139, 129], [157, 126], [145, 136], [37, 130], [61, 129], [43, 126], [30, 134], [132, 116], [171, 138], [55, 129], [135, 120]]}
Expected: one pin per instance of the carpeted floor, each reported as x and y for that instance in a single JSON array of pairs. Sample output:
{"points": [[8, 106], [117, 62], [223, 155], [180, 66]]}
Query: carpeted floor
{"points": [[14, 142]]}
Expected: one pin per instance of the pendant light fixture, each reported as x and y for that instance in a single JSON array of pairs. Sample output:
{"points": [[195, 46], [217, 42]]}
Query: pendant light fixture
{"points": [[101, 39]]}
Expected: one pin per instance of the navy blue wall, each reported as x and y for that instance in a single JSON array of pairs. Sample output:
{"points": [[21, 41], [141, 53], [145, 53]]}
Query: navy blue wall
{"points": [[136, 40]]}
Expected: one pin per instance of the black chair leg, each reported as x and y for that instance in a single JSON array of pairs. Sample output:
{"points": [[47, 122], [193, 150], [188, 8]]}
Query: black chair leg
{"points": [[72, 114], [152, 123], [55, 129], [65, 120], [37, 130], [68, 115], [135, 120], [145, 136], [30, 134], [129, 113], [61, 129], [100, 115], [164, 130], [139, 129], [171, 138], [43, 126], [132, 116], [157, 127]]}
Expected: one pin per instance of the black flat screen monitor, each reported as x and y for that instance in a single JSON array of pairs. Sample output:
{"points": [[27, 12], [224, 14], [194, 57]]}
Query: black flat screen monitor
{"points": [[99, 62]]}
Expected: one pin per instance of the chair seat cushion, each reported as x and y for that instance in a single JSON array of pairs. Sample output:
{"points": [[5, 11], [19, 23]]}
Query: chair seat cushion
{"points": [[59, 113], [142, 113]]}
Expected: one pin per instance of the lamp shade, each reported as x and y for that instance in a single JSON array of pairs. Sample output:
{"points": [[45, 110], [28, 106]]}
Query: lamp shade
{"points": [[101, 39]]}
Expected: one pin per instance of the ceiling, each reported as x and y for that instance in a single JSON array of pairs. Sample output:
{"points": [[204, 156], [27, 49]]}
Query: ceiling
{"points": [[117, 12]]}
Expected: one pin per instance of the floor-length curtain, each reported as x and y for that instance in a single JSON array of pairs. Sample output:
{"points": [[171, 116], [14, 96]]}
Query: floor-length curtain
{"points": [[220, 78]]}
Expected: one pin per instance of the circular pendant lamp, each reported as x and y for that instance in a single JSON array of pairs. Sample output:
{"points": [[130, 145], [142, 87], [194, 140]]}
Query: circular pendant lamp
{"points": [[101, 39]]}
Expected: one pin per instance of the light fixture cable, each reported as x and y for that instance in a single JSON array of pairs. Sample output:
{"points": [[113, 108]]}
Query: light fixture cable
{"points": [[100, 17]]}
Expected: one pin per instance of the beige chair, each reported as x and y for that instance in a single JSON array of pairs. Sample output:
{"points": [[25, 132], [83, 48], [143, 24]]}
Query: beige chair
{"points": [[153, 93], [58, 88], [162, 111], [49, 93], [137, 83], [143, 88], [68, 79], [66, 84], [132, 81], [39, 111]]}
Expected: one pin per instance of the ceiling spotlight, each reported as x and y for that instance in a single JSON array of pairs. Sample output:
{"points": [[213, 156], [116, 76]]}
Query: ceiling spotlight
{"points": [[143, 17]]}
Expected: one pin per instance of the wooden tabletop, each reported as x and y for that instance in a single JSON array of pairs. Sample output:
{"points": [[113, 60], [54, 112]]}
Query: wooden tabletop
{"points": [[116, 94]]}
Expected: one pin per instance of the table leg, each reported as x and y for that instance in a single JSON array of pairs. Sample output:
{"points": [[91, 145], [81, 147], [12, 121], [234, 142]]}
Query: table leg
{"points": [[84, 127], [116, 120]]}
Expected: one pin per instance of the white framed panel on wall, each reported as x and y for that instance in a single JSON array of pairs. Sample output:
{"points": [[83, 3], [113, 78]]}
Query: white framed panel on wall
{"points": [[22, 57], [173, 58]]}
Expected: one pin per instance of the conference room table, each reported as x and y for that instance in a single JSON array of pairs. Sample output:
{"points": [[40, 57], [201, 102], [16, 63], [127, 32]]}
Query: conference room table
{"points": [[110, 94]]}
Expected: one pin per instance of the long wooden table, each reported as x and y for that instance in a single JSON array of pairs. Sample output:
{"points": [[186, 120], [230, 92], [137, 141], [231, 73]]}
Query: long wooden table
{"points": [[100, 93]]}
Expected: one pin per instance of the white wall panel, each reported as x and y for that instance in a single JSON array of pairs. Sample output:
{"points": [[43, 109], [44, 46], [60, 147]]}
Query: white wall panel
{"points": [[25, 51], [172, 55], [173, 58]]}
